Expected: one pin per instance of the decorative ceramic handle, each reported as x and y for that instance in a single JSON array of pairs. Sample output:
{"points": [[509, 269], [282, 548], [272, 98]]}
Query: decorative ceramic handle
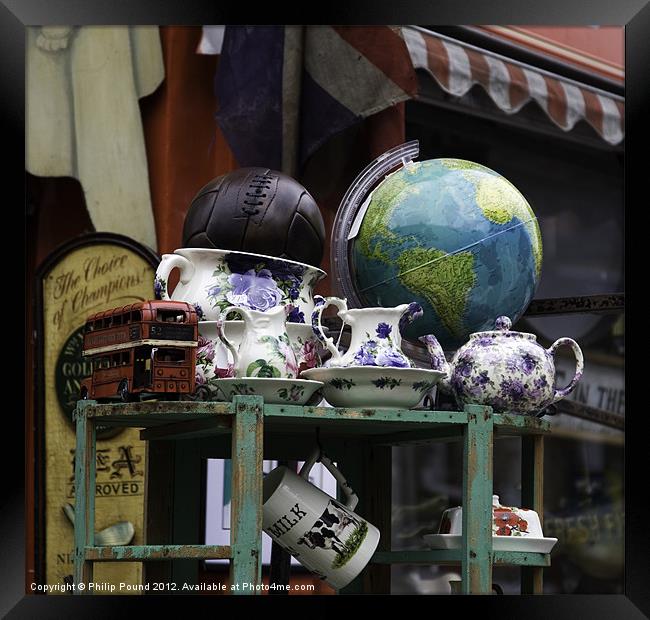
{"points": [[559, 394], [352, 498], [168, 263], [411, 312], [321, 304], [222, 334]]}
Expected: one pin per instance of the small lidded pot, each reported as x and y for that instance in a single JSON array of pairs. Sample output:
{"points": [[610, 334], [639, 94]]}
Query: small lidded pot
{"points": [[506, 521]]}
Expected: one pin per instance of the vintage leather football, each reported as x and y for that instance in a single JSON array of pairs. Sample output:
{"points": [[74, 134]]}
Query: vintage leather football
{"points": [[256, 210]]}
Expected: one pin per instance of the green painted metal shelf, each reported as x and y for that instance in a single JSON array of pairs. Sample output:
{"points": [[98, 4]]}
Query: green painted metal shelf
{"points": [[247, 430]]}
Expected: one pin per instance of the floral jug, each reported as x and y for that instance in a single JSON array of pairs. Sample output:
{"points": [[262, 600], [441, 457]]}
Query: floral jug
{"points": [[213, 280], [265, 350], [376, 338]]}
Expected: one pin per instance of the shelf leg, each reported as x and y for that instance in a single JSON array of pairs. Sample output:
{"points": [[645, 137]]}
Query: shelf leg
{"points": [[476, 551], [379, 478], [280, 569], [351, 461], [189, 480], [84, 476], [246, 507], [532, 496]]}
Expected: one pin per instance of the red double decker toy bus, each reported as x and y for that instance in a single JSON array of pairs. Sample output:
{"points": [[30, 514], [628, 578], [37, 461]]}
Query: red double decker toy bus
{"points": [[144, 348]]}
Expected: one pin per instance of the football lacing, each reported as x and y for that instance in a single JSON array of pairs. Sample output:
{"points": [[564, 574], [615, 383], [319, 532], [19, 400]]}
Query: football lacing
{"points": [[259, 183]]}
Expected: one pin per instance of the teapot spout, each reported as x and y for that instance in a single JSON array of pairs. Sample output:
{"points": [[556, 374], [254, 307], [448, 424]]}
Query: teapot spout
{"points": [[436, 354]]}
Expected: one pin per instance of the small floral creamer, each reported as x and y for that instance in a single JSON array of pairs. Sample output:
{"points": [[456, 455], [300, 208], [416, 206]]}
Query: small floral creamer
{"points": [[376, 338]]}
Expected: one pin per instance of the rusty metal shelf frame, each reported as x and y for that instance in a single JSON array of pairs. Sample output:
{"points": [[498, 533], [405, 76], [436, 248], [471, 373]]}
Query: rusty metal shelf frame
{"points": [[245, 420]]}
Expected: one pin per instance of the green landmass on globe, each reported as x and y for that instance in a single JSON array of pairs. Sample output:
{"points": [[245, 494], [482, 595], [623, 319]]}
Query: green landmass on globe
{"points": [[455, 236]]}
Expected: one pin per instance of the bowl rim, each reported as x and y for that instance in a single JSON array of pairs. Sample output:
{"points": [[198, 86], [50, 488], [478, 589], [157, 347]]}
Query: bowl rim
{"points": [[262, 380], [375, 370]]}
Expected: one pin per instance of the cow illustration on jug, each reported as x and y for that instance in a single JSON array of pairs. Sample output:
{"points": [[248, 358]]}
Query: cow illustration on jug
{"points": [[334, 542], [327, 531]]}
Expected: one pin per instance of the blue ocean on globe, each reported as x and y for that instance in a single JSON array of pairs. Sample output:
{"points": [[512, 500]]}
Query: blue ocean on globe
{"points": [[454, 236]]}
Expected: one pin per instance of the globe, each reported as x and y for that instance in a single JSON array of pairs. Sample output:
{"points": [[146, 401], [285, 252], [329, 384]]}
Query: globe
{"points": [[454, 236]]}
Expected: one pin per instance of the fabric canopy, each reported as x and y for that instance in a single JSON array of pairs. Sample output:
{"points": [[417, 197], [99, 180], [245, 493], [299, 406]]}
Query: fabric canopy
{"points": [[457, 67]]}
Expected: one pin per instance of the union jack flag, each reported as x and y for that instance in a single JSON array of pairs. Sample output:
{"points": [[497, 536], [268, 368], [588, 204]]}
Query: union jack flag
{"points": [[284, 90]]}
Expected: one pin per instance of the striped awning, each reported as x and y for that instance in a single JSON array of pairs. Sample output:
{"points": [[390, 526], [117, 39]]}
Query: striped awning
{"points": [[457, 67]]}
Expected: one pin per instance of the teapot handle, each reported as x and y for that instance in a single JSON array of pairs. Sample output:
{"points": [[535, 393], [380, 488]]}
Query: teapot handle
{"points": [[352, 499], [222, 335], [321, 304], [559, 394], [168, 263]]}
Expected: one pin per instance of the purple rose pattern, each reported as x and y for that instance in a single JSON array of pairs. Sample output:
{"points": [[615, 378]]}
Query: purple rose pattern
{"points": [[261, 284], [296, 316], [159, 287], [383, 330], [392, 357], [306, 353], [509, 371], [366, 353], [380, 350], [256, 291], [199, 312], [204, 370], [436, 355]]}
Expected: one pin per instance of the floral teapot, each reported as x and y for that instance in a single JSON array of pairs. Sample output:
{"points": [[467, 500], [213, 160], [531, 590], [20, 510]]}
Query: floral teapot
{"points": [[507, 370], [265, 350], [376, 339]]}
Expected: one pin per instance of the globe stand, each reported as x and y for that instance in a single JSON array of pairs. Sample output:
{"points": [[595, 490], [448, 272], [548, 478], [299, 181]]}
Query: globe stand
{"points": [[347, 216]]}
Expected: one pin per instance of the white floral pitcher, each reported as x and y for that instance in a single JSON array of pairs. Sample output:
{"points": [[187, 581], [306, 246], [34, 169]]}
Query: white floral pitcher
{"points": [[376, 338], [265, 350]]}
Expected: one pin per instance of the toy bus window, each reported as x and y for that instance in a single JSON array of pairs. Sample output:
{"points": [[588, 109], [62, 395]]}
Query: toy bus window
{"points": [[136, 316], [90, 327], [125, 358], [97, 324], [170, 355], [117, 320], [170, 316], [102, 363]]}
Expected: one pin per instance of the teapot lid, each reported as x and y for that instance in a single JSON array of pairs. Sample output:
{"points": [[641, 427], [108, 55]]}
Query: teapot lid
{"points": [[502, 328]]}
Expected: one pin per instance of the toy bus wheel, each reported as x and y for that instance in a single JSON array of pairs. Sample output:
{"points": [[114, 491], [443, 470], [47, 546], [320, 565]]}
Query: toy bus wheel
{"points": [[202, 393], [123, 391]]}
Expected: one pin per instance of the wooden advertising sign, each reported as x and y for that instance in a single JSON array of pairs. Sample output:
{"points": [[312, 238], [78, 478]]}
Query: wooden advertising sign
{"points": [[90, 274]]}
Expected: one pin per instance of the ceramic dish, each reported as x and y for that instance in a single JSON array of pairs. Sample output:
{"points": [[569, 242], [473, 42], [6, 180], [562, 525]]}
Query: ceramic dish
{"points": [[374, 386], [499, 543], [274, 391], [513, 529]]}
